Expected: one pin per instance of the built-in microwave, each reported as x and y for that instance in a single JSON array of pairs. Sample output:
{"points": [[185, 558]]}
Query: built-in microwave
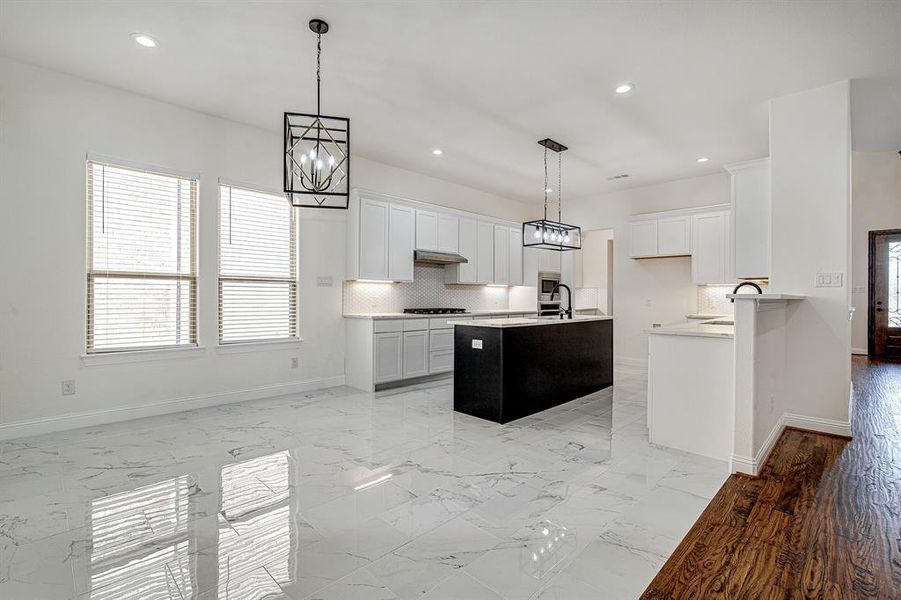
{"points": [[547, 281]]}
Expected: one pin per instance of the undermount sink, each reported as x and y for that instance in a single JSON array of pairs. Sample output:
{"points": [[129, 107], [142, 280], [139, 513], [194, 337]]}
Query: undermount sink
{"points": [[719, 322]]}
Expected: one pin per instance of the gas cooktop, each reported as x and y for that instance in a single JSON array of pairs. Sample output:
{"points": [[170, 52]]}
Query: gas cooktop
{"points": [[434, 311]]}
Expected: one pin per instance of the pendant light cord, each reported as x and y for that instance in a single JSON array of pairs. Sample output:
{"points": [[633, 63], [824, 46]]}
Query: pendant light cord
{"points": [[560, 187], [318, 70]]}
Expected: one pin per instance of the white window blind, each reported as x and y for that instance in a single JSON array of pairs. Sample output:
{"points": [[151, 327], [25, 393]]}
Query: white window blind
{"points": [[142, 283], [257, 266]]}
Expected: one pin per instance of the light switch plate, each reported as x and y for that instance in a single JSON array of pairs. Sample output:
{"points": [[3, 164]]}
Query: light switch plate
{"points": [[830, 280], [324, 281], [477, 344]]}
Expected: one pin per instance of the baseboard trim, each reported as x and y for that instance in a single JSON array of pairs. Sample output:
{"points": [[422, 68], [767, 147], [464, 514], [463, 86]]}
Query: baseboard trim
{"points": [[624, 361], [752, 466], [818, 425], [861, 351], [55, 424]]}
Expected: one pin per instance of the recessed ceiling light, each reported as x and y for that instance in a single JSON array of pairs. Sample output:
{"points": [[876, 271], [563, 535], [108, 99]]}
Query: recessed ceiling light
{"points": [[437, 151], [703, 159], [142, 39], [625, 88]]}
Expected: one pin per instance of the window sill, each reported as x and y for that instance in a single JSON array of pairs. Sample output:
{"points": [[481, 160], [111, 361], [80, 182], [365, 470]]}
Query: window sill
{"points": [[243, 347], [133, 356]]}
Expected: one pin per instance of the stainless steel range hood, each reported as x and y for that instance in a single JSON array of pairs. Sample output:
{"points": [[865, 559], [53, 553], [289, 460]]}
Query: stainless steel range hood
{"points": [[438, 258]]}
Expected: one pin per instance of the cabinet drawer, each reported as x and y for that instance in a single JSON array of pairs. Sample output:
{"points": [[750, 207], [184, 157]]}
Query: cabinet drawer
{"points": [[442, 339], [442, 322], [389, 326], [416, 324], [441, 361]]}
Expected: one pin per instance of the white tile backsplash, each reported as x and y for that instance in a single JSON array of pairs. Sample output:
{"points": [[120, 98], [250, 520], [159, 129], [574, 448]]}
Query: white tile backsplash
{"points": [[427, 290], [712, 298]]}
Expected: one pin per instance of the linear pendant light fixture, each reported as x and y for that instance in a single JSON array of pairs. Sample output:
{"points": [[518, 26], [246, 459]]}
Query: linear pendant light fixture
{"points": [[545, 233], [317, 150]]}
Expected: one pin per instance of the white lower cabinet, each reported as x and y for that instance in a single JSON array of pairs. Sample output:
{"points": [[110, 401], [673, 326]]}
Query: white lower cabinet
{"points": [[416, 354], [388, 363]]}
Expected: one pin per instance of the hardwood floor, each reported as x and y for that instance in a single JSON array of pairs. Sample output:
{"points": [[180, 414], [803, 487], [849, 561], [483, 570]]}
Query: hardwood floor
{"points": [[823, 520]]}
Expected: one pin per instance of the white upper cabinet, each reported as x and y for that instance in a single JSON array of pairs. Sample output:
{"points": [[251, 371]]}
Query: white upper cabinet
{"points": [[643, 237], [501, 255], [711, 250], [516, 256], [674, 235], [549, 261], [401, 242], [373, 244], [426, 230], [468, 249], [448, 233], [485, 252], [751, 206]]}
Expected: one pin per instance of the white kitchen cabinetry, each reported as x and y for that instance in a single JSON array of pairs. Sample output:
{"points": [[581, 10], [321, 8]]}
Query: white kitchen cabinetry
{"points": [[501, 255], [484, 252], [751, 207], [373, 254], [426, 230], [416, 354], [388, 364], [710, 248], [448, 233], [516, 256], [401, 242], [549, 261], [381, 239], [469, 249], [674, 235], [643, 238]]}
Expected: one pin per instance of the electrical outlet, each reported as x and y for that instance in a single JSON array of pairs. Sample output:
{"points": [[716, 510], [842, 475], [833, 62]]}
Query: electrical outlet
{"points": [[68, 387], [324, 281], [295, 362]]}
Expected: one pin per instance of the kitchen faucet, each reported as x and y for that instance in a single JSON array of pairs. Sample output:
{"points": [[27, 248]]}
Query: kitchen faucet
{"points": [[742, 284], [567, 312]]}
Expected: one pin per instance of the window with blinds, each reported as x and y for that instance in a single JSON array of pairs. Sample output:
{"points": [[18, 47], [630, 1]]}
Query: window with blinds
{"points": [[257, 266], [142, 279]]}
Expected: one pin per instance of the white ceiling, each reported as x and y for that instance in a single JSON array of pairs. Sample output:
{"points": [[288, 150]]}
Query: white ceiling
{"points": [[485, 80]]}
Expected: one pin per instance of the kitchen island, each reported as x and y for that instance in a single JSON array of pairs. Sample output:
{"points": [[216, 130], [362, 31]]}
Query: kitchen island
{"points": [[506, 369]]}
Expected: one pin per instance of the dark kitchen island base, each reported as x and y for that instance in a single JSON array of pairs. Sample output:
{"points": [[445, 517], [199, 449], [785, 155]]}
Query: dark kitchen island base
{"points": [[504, 372]]}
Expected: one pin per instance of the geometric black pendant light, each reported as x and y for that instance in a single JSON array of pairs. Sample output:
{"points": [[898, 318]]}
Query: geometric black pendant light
{"points": [[317, 150], [546, 233]]}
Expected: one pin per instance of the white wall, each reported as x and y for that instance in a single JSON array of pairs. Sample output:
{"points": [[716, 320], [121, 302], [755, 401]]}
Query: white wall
{"points": [[875, 204], [48, 122], [646, 291], [811, 183]]}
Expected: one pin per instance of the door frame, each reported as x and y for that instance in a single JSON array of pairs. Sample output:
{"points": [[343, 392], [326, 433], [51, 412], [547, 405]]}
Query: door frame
{"points": [[871, 285]]}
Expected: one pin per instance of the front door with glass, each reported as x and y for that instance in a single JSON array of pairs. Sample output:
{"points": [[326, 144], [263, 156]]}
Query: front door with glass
{"points": [[885, 294]]}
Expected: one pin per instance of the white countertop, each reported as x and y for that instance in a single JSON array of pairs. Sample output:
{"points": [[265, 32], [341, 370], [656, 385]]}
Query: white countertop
{"points": [[469, 313], [527, 322], [765, 297], [697, 329]]}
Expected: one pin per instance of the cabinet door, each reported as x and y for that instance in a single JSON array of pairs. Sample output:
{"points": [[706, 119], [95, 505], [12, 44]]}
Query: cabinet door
{"points": [[751, 220], [643, 238], [416, 354], [388, 357], [578, 269], [530, 266], [709, 248], [501, 255], [448, 233], [515, 256], [674, 235], [468, 272], [485, 253], [426, 230], [401, 241], [549, 261], [373, 239]]}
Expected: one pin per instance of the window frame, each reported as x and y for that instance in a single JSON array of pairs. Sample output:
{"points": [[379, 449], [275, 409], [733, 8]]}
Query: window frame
{"points": [[192, 277], [293, 280]]}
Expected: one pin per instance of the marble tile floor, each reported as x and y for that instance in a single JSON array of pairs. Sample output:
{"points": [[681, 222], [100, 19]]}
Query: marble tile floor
{"points": [[341, 494]]}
